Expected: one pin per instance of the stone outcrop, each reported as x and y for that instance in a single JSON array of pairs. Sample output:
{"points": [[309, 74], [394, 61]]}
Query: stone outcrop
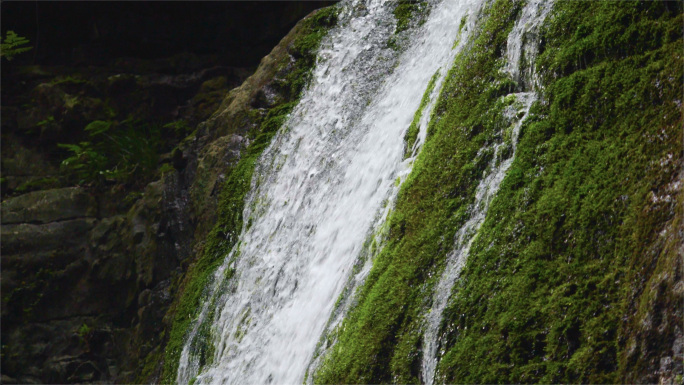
{"points": [[84, 295]]}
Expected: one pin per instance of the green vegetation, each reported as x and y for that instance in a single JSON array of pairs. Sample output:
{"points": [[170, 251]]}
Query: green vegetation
{"points": [[303, 49], [225, 233], [553, 270], [549, 278], [85, 333], [121, 152], [408, 14], [150, 364], [12, 45], [462, 24], [405, 11], [380, 339], [180, 128], [68, 79]]}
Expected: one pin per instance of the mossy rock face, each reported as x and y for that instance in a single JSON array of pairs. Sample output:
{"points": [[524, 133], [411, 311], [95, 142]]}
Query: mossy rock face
{"points": [[209, 97], [551, 282], [212, 163], [573, 276]]}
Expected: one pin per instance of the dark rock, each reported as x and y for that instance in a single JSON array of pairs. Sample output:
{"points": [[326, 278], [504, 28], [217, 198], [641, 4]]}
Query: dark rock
{"points": [[7, 379], [23, 168], [49, 206], [57, 340], [57, 243], [112, 268], [178, 160], [145, 297], [85, 372], [37, 238]]}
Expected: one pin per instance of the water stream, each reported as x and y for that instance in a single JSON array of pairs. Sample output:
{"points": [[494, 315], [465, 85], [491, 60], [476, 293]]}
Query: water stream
{"points": [[317, 193], [522, 48]]}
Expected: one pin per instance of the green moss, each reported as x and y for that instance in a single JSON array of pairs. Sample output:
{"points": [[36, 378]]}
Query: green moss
{"points": [[554, 268], [457, 41], [303, 49], [149, 366], [550, 276], [379, 341], [408, 14], [226, 231], [179, 128], [462, 24], [165, 168], [405, 11]]}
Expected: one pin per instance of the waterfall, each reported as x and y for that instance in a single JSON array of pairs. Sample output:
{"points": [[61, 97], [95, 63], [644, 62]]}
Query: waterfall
{"points": [[317, 193], [522, 48]]}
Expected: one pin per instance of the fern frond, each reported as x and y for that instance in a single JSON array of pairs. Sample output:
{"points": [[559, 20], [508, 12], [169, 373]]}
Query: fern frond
{"points": [[12, 44]]}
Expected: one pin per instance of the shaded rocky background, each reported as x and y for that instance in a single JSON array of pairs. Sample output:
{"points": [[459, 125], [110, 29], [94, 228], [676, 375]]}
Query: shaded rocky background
{"points": [[91, 265]]}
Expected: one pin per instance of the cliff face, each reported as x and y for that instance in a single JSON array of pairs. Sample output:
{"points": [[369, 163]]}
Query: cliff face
{"points": [[91, 263]]}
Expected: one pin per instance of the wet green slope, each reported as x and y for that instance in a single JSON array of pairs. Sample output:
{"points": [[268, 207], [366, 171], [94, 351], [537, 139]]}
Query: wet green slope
{"points": [[572, 256]]}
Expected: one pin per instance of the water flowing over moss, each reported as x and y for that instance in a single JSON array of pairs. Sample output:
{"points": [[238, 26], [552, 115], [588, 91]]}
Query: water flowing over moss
{"points": [[554, 285], [224, 234], [412, 132], [405, 11], [570, 258], [380, 339]]}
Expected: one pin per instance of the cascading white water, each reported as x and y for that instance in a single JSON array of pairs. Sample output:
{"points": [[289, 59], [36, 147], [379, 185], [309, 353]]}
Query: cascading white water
{"points": [[521, 47], [523, 43], [446, 24], [316, 193]]}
